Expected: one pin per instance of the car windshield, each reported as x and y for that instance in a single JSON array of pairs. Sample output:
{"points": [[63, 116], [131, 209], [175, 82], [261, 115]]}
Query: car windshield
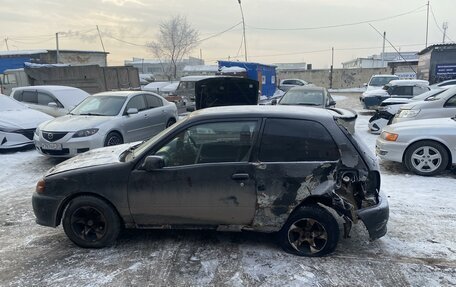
{"points": [[303, 97], [443, 95], [100, 106], [9, 104], [381, 81]]}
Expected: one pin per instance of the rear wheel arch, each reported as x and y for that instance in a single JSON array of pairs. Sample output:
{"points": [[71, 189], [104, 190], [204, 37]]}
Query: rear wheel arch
{"points": [[67, 201]]}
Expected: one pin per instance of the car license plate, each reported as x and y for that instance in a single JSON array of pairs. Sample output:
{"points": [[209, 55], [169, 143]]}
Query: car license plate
{"points": [[51, 146]]}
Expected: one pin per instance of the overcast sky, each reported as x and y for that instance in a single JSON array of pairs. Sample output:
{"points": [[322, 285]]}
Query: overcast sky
{"points": [[32, 24]]}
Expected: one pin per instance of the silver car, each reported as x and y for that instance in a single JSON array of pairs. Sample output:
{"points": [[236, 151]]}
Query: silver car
{"points": [[425, 147], [442, 105], [17, 123], [52, 100], [105, 119]]}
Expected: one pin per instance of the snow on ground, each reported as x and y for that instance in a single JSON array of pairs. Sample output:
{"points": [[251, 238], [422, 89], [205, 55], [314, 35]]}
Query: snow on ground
{"points": [[418, 250]]}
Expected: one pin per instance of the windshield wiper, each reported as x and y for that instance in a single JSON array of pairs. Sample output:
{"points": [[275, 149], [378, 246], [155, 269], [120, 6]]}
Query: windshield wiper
{"points": [[308, 104], [91, 114]]}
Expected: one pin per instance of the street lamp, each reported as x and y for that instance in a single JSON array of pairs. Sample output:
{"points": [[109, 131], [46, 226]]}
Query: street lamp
{"points": [[243, 28]]}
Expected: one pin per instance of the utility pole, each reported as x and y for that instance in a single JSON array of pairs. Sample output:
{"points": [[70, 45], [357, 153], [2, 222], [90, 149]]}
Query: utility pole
{"points": [[101, 39], [383, 50], [243, 29], [332, 66], [6, 43], [57, 53], [427, 24], [445, 27]]}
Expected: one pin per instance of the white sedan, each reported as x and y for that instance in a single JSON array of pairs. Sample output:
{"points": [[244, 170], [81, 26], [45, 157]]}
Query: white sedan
{"points": [[425, 147], [105, 119], [18, 123]]}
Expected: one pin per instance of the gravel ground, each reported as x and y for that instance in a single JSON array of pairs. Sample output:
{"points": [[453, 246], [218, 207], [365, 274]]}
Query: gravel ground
{"points": [[419, 249]]}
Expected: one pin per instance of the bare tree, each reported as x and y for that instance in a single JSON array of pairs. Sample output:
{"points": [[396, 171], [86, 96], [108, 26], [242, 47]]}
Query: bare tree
{"points": [[176, 39]]}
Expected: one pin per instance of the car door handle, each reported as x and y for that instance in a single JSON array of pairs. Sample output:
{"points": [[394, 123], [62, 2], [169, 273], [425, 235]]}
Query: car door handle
{"points": [[240, 176]]}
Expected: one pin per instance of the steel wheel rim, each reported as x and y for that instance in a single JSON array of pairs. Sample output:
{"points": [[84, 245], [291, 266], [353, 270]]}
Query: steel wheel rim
{"points": [[426, 159], [113, 140], [88, 223], [307, 236]]}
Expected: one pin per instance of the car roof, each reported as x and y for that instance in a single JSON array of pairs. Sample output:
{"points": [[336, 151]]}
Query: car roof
{"points": [[253, 111], [408, 82], [123, 93], [384, 75], [307, 88], [47, 87]]}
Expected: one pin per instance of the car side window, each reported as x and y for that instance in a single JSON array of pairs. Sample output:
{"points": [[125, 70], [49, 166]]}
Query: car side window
{"points": [[287, 82], [418, 90], [401, 91], [210, 143], [17, 95], [137, 102], [291, 140], [153, 101], [29, 97], [451, 102], [44, 99]]}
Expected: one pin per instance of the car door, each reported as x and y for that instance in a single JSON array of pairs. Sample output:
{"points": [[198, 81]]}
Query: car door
{"points": [[295, 158], [207, 178], [136, 125], [157, 116]]}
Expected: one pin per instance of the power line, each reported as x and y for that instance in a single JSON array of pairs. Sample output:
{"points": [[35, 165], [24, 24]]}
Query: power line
{"points": [[340, 25], [219, 33]]}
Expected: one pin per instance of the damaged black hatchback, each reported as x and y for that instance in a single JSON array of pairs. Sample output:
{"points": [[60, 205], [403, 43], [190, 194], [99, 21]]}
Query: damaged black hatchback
{"points": [[260, 168]]}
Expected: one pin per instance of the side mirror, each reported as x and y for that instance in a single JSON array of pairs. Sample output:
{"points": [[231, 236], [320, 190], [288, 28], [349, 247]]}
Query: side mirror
{"points": [[274, 102], [52, 105], [153, 162], [365, 85], [332, 103], [132, 111], [190, 109]]}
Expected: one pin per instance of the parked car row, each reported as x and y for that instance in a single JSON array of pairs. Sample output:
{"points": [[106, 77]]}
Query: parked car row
{"points": [[103, 119]]}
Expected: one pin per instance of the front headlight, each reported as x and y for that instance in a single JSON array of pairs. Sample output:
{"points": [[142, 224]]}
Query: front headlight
{"points": [[85, 133], [408, 113], [392, 137]]}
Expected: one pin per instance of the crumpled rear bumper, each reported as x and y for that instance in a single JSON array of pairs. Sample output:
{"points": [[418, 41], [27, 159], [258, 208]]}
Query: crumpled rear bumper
{"points": [[375, 218]]}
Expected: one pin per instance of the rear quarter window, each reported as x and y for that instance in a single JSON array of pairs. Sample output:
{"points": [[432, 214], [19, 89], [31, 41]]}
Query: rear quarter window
{"points": [[288, 140]]}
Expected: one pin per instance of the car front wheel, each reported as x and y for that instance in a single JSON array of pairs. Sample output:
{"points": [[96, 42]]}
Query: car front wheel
{"points": [[310, 231], [91, 222], [426, 158], [113, 138]]}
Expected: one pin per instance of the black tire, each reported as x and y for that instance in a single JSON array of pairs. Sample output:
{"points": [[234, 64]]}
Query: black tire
{"points": [[91, 222], [113, 138], [310, 231], [426, 158], [170, 123]]}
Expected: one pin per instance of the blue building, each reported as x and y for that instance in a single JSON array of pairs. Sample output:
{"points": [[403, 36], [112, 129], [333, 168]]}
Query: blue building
{"points": [[264, 74]]}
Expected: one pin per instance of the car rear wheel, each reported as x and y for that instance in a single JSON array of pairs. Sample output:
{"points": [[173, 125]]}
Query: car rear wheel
{"points": [[91, 222], [310, 231], [113, 138], [426, 158]]}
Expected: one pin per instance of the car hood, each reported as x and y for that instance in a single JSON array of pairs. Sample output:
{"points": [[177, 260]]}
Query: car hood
{"points": [[72, 123], [22, 119], [423, 105], [424, 125], [99, 156], [393, 101]]}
